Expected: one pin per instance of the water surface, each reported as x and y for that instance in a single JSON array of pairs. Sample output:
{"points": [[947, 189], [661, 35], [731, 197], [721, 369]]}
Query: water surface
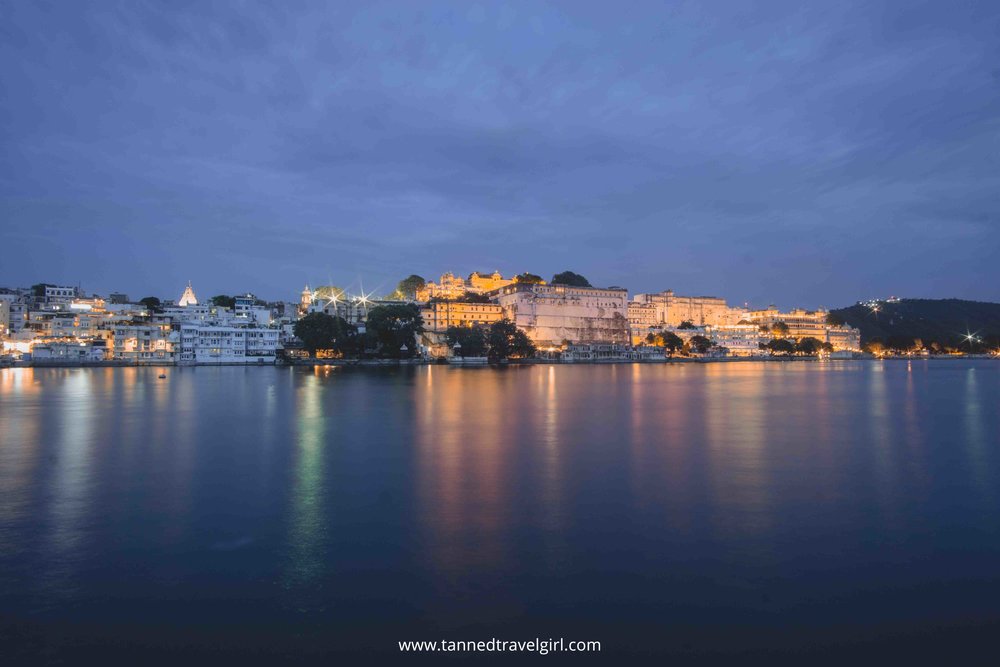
{"points": [[703, 511]]}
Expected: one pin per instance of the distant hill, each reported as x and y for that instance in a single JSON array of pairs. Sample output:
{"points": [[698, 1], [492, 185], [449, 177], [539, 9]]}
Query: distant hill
{"points": [[942, 320]]}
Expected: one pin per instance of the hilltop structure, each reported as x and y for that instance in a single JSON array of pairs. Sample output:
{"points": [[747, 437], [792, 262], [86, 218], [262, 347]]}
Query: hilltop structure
{"points": [[450, 286]]}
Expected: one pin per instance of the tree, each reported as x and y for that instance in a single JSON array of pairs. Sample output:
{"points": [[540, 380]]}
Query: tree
{"points": [[328, 293], [319, 331], [528, 279], [672, 341], [651, 338], [409, 286], [834, 320], [780, 346], [473, 297], [874, 346], [507, 341], [570, 278], [700, 344], [809, 345], [151, 303], [391, 328], [223, 301], [687, 324], [471, 340], [899, 343], [779, 329]]}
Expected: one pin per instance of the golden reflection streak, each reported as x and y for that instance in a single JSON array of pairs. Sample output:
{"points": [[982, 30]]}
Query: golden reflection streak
{"points": [[662, 475], [737, 417], [20, 458], [553, 501], [464, 467]]}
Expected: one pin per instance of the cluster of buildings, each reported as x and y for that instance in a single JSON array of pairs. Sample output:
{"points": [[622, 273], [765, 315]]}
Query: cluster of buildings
{"points": [[50, 324], [592, 323], [450, 286], [58, 324]]}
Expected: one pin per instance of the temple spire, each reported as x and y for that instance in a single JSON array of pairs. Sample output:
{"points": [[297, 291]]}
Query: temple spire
{"points": [[188, 298]]}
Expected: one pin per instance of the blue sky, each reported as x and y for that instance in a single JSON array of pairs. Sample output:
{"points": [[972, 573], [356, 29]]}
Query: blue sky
{"points": [[798, 153]]}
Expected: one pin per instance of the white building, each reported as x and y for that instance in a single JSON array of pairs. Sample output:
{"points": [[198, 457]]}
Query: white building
{"points": [[246, 308], [741, 340], [208, 343], [57, 294], [69, 352], [20, 315], [144, 343]]}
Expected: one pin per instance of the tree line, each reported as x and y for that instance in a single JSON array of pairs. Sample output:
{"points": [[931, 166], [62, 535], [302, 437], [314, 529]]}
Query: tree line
{"points": [[391, 332], [497, 342]]}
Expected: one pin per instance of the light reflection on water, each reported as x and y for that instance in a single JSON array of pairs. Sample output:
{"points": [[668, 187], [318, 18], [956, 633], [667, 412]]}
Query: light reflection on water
{"points": [[738, 494], [308, 528], [72, 484]]}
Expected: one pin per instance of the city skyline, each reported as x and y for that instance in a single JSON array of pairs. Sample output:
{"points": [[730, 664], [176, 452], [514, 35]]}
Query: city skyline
{"points": [[356, 289], [807, 156]]}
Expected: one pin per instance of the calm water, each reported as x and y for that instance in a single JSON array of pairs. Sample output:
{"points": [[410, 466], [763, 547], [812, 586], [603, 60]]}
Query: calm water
{"points": [[698, 510]]}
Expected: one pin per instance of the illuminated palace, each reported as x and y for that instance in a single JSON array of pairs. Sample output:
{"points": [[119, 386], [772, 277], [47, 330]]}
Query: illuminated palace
{"points": [[450, 286], [808, 324], [550, 314], [668, 309], [440, 315]]}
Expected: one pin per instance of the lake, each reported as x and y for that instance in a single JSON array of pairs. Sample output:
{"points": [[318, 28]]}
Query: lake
{"points": [[699, 511]]}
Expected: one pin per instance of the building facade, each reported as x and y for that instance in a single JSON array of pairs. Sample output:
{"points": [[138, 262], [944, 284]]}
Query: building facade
{"points": [[740, 340], [441, 315], [81, 351], [144, 343], [668, 309], [208, 343], [550, 314], [450, 286], [808, 324]]}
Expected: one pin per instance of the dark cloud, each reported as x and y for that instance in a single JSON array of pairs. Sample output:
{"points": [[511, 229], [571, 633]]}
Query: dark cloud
{"points": [[805, 155]]}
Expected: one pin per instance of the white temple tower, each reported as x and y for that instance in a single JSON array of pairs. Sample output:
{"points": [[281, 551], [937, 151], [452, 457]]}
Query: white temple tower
{"points": [[188, 298]]}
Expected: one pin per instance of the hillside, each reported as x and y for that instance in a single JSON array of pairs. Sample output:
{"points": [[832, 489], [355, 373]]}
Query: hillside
{"points": [[943, 320]]}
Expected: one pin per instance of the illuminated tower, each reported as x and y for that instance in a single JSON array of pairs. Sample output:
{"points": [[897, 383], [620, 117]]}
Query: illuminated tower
{"points": [[306, 300], [188, 298]]}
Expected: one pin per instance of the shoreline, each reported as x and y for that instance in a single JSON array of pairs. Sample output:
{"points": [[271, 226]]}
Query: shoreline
{"points": [[381, 363]]}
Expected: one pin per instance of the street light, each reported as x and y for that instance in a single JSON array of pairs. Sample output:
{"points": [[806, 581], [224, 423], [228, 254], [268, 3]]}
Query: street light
{"points": [[971, 338]]}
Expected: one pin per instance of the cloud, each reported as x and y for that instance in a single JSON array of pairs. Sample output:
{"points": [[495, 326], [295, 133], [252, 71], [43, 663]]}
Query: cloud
{"points": [[703, 149]]}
